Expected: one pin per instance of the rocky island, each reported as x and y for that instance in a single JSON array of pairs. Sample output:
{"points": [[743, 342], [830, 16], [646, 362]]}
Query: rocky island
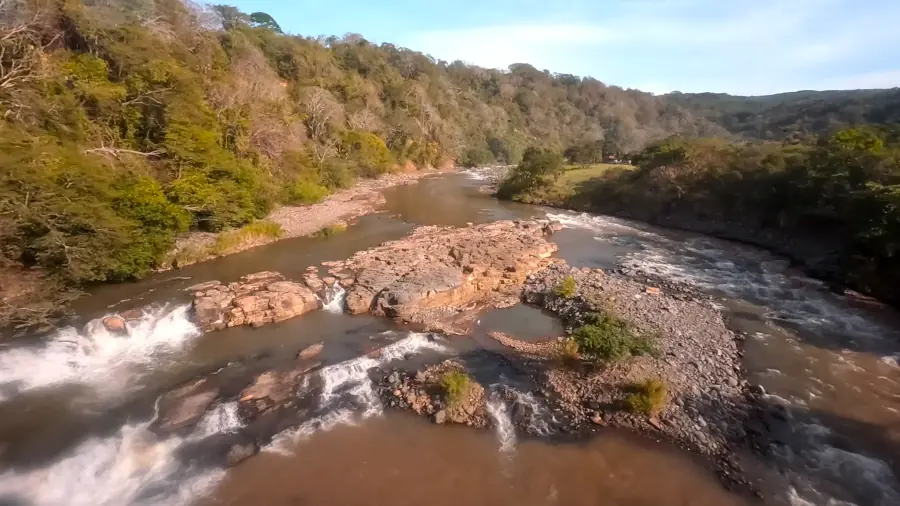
{"points": [[656, 360]]}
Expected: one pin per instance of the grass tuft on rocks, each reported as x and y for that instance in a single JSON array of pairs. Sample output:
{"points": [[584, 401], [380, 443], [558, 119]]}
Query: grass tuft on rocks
{"points": [[331, 230], [647, 397], [456, 386], [566, 288], [607, 338]]}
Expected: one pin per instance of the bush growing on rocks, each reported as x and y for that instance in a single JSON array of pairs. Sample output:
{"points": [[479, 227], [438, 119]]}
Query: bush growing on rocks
{"points": [[456, 385], [331, 230], [606, 338], [566, 288], [647, 397]]}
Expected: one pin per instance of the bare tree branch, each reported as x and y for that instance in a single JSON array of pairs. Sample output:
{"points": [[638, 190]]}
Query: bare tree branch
{"points": [[115, 152]]}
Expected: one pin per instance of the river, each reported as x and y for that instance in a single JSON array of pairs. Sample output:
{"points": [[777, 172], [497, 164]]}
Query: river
{"points": [[76, 407]]}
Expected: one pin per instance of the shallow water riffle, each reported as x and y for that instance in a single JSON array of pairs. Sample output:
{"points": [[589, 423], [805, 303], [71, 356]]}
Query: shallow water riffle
{"points": [[828, 363], [400, 460]]}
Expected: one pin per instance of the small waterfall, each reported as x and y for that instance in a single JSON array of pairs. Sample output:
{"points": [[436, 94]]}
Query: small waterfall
{"points": [[503, 424], [539, 417], [334, 299], [95, 356], [348, 393], [133, 467]]}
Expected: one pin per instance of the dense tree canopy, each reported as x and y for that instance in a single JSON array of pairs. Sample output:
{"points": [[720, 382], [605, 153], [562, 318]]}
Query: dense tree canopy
{"points": [[832, 203], [127, 122]]}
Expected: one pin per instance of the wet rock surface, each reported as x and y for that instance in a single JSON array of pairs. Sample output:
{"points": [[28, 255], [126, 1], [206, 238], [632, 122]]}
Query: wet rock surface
{"points": [[183, 407], [439, 271], [257, 299]]}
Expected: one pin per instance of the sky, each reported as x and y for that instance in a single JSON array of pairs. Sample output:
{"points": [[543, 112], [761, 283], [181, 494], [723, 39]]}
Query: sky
{"points": [[744, 47]]}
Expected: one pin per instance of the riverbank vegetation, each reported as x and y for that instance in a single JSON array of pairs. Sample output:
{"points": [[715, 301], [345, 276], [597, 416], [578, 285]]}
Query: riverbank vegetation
{"points": [[128, 123], [833, 204]]}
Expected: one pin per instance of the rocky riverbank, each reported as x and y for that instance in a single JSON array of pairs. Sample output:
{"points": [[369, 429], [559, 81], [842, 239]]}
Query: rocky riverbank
{"points": [[698, 360]]}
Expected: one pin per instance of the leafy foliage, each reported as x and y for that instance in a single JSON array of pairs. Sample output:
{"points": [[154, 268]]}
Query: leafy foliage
{"points": [[606, 338], [538, 168], [647, 397], [796, 117], [839, 195]]}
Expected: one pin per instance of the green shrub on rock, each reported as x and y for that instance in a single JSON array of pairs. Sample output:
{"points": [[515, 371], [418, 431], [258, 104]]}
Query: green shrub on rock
{"points": [[606, 338], [566, 288], [647, 397], [456, 386]]}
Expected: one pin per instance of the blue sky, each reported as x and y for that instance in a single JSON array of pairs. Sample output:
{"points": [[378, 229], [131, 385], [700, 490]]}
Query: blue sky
{"points": [[749, 47]]}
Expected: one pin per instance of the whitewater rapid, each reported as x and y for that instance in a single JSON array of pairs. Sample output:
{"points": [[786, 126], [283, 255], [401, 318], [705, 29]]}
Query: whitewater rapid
{"points": [[133, 467], [106, 362], [348, 394], [335, 299], [794, 303]]}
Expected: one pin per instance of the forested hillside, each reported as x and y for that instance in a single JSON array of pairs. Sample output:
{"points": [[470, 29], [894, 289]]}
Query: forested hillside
{"points": [[128, 122], [796, 116]]}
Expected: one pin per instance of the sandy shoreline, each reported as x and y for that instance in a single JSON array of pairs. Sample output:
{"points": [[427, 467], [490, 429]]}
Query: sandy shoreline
{"points": [[296, 221]]}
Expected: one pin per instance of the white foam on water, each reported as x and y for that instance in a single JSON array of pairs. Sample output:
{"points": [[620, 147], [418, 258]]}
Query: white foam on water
{"points": [[503, 425], [602, 225], [334, 299], [96, 357], [538, 414], [349, 382], [130, 468], [222, 419], [736, 271], [791, 298], [285, 442], [483, 173], [891, 360], [865, 473]]}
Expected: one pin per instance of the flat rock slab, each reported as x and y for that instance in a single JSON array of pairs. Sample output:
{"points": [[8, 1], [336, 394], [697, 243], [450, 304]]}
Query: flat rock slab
{"points": [[257, 299], [445, 268]]}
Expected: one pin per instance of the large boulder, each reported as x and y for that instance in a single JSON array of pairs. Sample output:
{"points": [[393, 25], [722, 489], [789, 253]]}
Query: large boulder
{"points": [[445, 268], [257, 299], [183, 407], [115, 324]]}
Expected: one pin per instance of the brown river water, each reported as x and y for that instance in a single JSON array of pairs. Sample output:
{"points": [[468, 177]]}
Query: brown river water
{"points": [[75, 406]]}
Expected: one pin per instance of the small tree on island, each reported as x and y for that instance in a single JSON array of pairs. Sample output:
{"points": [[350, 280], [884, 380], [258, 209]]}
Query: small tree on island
{"points": [[539, 167]]}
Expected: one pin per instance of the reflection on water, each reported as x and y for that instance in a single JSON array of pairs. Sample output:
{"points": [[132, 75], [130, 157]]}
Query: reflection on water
{"points": [[401, 460]]}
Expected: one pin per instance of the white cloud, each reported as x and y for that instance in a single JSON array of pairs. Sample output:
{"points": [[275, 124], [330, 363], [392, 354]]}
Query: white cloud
{"points": [[740, 47]]}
